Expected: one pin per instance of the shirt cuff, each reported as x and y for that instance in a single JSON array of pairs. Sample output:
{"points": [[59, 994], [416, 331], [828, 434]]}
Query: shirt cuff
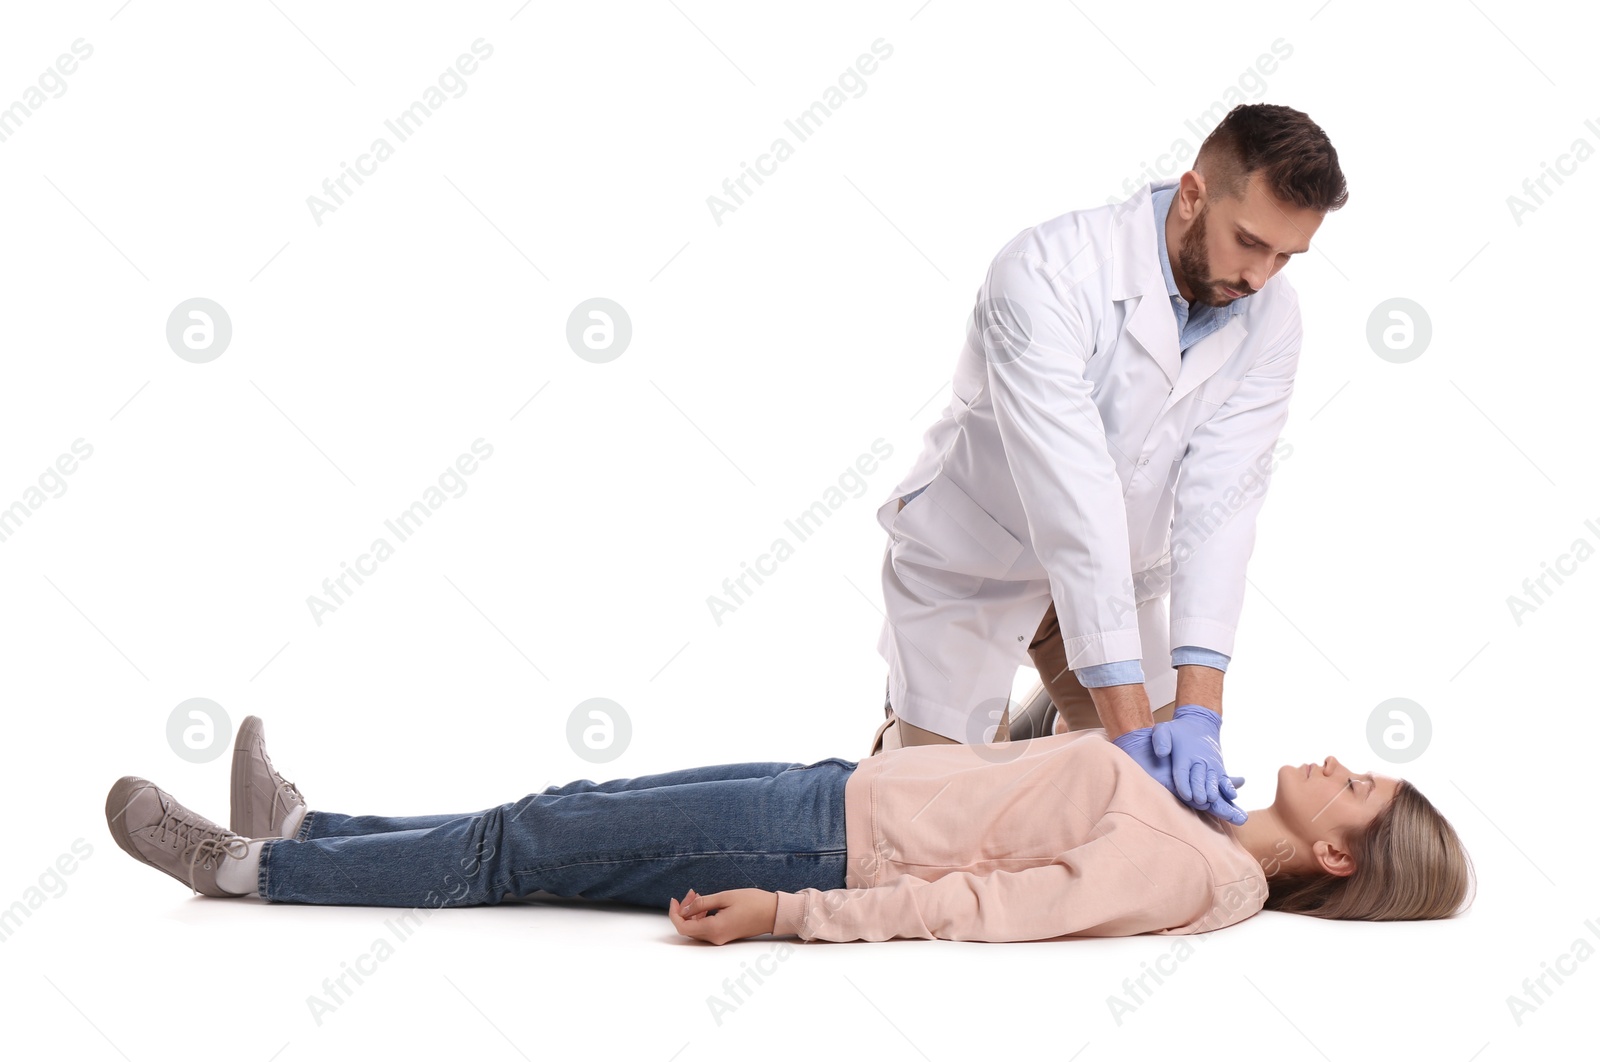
{"points": [[791, 916], [1194, 654], [1111, 673]]}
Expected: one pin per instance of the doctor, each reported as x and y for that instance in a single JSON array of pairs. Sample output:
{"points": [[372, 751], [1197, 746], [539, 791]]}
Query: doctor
{"points": [[1111, 432]]}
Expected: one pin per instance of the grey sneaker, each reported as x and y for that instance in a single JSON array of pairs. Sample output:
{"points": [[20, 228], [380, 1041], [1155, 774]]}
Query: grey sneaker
{"points": [[149, 824], [262, 799]]}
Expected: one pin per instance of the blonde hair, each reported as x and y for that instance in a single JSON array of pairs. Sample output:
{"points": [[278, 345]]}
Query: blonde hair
{"points": [[1409, 865]]}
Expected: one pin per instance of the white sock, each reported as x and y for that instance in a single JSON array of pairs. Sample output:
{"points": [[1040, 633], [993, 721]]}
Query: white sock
{"points": [[239, 875], [292, 823]]}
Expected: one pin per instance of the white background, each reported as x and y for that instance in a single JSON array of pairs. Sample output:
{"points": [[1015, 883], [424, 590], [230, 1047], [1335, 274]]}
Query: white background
{"points": [[768, 353]]}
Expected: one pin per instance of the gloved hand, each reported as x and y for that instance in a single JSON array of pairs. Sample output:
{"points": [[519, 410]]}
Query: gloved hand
{"points": [[1137, 744], [1193, 741]]}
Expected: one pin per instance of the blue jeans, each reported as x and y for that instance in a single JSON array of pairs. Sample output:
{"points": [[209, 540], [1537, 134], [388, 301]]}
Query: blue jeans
{"points": [[774, 826]]}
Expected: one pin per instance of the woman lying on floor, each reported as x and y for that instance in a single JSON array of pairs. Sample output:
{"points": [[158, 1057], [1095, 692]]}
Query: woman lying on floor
{"points": [[1061, 835]]}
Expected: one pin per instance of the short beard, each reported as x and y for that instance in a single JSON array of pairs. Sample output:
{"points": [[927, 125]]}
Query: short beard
{"points": [[1192, 260]]}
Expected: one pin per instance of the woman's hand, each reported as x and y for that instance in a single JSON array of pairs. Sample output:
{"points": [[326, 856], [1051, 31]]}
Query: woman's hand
{"points": [[735, 914]]}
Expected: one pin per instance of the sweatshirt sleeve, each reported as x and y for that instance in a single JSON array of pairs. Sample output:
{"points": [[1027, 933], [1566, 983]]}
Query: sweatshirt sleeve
{"points": [[1036, 345], [1139, 883]]}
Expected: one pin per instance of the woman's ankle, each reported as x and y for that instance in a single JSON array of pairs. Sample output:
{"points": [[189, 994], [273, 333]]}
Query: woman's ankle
{"points": [[291, 824], [240, 874]]}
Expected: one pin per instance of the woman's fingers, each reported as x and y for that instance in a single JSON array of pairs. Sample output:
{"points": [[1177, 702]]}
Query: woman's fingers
{"points": [[694, 905], [679, 922], [684, 924], [696, 926]]}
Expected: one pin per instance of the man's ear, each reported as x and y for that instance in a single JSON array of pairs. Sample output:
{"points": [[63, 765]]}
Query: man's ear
{"points": [[1191, 191], [1333, 859]]}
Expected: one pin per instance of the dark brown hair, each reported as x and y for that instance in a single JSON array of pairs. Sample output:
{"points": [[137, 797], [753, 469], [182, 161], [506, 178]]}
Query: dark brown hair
{"points": [[1409, 865], [1293, 154]]}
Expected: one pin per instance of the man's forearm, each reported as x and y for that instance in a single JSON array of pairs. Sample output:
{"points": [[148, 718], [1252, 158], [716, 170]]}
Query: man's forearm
{"points": [[1127, 707], [1122, 708], [1202, 685]]}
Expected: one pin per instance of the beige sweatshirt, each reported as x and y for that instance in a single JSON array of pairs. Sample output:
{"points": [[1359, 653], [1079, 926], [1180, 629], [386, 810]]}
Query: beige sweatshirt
{"points": [[1057, 836]]}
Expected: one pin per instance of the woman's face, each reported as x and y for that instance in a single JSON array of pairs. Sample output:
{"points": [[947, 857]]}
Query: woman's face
{"points": [[1323, 801]]}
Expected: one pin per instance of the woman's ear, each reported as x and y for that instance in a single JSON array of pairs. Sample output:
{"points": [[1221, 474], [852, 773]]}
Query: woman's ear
{"points": [[1332, 859]]}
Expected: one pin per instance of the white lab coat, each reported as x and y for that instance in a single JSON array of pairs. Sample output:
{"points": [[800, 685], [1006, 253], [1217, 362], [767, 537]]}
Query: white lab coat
{"points": [[1072, 465]]}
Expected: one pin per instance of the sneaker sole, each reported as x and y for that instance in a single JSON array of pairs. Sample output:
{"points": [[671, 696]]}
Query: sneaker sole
{"points": [[238, 782]]}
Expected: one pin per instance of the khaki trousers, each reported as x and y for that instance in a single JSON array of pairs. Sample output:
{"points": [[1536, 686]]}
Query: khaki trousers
{"points": [[1074, 706]]}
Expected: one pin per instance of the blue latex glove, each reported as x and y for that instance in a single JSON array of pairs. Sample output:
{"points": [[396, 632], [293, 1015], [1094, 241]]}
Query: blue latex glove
{"points": [[1138, 745], [1193, 741]]}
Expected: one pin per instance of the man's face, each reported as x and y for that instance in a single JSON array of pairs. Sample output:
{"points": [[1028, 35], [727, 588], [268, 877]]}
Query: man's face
{"points": [[1236, 243]]}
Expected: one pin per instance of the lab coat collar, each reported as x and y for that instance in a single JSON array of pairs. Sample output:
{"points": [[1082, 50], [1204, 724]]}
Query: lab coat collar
{"points": [[1136, 274], [1164, 259]]}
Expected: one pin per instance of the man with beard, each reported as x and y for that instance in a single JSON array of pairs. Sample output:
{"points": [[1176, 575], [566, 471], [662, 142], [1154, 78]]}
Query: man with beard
{"points": [[1112, 426]]}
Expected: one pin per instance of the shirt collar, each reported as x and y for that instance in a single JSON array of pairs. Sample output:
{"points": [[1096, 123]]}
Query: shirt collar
{"points": [[1161, 203]]}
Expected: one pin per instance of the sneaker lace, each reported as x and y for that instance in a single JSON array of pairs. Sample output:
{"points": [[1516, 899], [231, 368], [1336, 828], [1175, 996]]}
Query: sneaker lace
{"points": [[213, 849], [287, 794], [207, 842]]}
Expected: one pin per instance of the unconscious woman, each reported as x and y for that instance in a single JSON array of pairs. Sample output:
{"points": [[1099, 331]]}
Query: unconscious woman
{"points": [[1065, 835]]}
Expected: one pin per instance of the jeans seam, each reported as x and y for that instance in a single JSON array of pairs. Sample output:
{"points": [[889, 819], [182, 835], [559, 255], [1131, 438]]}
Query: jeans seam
{"points": [[261, 869], [671, 855]]}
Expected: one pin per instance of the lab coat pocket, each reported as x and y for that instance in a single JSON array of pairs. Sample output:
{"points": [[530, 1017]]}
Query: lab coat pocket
{"points": [[1214, 392], [946, 541], [1208, 398]]}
